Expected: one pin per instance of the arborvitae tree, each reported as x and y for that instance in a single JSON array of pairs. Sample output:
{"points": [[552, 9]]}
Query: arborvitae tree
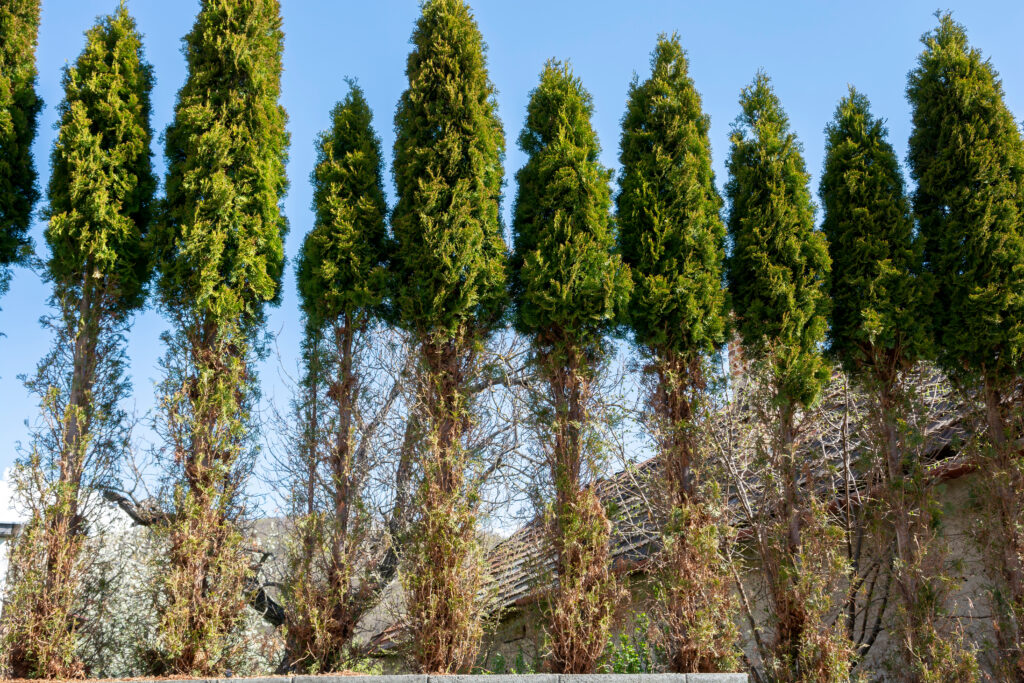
{"points": [[19, 112], [220, 255], [673, 239], [342, 278], [876, 289], [101, 193], [569, 290], [777, 272], [778, 264], [967, 158], [450, 272], [878, 331]]}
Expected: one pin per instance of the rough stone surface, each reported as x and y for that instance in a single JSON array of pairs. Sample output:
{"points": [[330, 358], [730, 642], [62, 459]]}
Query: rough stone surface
{"points": [[497, 678], [623, 678], [505, 678], [410, 678]]}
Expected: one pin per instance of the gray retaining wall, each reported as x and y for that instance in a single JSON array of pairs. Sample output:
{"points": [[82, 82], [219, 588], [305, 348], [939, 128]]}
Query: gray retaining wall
{"points": [[491, 678]]}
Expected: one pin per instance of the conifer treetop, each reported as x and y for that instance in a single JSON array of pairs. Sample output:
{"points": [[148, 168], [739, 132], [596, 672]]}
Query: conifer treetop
{"points": [[450, 259], [342, 266], [779, 264], [670, 228], [567, 282], [876, 288], [102, 184], [221, 241], [19, 114], [967, 158]]}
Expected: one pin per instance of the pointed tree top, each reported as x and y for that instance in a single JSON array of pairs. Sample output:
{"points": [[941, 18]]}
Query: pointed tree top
{"points": [[670, 229], [878, 298], [779, 264], [342, 265], [102, 186]]}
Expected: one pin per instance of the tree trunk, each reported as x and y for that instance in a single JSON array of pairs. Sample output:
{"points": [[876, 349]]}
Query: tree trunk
{"points": [[679, 380], [443, 585], [1006, 485], [585, 595], [792, 616]]}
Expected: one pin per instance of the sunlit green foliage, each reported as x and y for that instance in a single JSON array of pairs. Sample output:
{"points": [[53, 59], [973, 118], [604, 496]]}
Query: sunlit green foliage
{"points": [[19, 113], [778, 264], [342, 267], [569, 290], [673, 239], [670, 228], [220, 255], [449, 149], [876, 288], [967, 158]]}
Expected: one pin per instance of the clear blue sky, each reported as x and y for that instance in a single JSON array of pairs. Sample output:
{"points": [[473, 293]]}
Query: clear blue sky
{"points": [[811, 49]]}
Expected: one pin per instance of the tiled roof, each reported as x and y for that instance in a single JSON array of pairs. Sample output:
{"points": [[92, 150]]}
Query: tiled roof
{"points": [[519, 563]]}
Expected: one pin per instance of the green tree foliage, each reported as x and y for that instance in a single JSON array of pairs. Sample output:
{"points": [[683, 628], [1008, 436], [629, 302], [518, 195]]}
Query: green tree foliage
{"points": [[568, 286], [450, 259], [450, 293], [878, 330], [777, 272], [876, 291], [968, 161], [671, 230], [19, 113], [673, 239], [569, 290], [221, 241], [101, 183], [967, 158], [220, 255], [101, 193], [342, 267], [778, 264], [342, 279]]}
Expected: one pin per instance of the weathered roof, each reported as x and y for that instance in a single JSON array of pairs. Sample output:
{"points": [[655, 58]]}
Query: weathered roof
{"points": [[519, 563]]}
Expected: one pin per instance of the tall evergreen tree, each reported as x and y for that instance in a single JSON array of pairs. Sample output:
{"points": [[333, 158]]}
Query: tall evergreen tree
{"points": [[220, 255], [967, 158], [101, 194], [778, 264], [19, 113], [878, 331], [777, 272], [450, 270], [673, 239], [876, 291], [569, 290], [342, 280]]}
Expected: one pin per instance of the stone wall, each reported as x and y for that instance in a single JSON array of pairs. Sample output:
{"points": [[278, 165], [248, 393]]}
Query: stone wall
{"points": [[528, 678]]}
